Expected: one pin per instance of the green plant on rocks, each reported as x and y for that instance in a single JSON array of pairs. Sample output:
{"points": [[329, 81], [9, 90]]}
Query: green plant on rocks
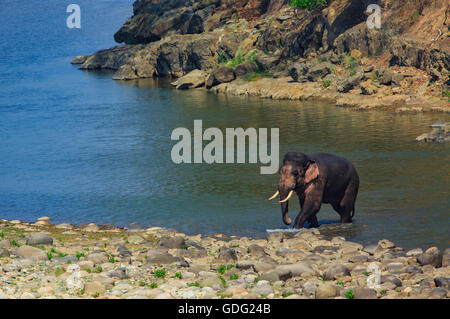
{"points": [[79, 255], [112, 260], [98, 269], [153, 285], [224, 282], [350, 294], [308, 4], [160, 273], [49, 256], [234, 276], [15, 243], [194, 284]]}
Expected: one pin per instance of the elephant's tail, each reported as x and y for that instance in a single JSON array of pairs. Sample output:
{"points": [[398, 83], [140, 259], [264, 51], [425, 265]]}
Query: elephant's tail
{"points": [[353, 211]]}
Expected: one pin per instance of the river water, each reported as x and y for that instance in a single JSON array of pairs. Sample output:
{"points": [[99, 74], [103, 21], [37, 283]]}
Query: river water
{"points": [[80, 147]]}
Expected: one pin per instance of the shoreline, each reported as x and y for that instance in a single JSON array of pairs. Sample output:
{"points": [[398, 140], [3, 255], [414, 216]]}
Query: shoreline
{"points": [[41, 260]]}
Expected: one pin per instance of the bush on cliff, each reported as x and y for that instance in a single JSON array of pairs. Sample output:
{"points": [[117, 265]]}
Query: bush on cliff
{"points": [[308, 4]]}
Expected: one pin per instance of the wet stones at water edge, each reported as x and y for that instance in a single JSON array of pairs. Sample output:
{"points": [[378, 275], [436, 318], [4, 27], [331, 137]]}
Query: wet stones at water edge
{"points": [[440, 133], [109, 262]]}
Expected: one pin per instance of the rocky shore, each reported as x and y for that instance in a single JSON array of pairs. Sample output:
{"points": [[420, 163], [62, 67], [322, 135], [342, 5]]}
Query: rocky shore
{"points": [[270, 49], [41, 260]]}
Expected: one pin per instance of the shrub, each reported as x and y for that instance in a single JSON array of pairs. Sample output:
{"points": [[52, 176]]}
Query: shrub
{"points": [[160, 273], [308, 4]]}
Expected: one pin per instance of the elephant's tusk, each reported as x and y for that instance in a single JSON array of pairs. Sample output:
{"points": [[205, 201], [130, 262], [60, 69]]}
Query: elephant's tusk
{"points": [[287, 198], [274, 195]]}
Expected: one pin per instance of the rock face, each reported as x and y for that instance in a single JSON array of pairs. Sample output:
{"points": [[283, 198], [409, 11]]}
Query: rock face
{"points": [[193, 79], [222, 74], [31, 253], [39, 239]]}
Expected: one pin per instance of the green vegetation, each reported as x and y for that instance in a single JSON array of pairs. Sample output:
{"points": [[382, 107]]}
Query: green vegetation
{"points": [[88, 270], [15, 243], [79, 255], [97, 294], [287, 294], [2, 235], [160, 273], [49, 256], [222, 269], [383, 292], [153, 285], [349, 294], [238, 59], [326, 83], [256, 75], [340, 283], [234, 276], [178, 275], [112, 260], [59, 271], [308, 4], [446, 93], [98, 269], [224, 282], [194, 284]]}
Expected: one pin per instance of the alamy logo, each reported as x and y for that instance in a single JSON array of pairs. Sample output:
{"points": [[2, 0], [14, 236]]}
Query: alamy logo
{"points": [[74, 19], [373, 281], [374, 20], [214, 151]]}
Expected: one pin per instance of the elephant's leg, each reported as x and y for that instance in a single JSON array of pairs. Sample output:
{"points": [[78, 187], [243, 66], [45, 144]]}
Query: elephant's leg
{"points": [[313, 221], [310, 207], [347, 204]]}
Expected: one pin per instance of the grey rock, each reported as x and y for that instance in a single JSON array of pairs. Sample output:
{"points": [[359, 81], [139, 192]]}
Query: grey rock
{"points": [[446, 258], [98, 257], [172, 242], [336, 271], [65, 260], [414, 252], [297, 71], [392, 279], [245, 69], [31, 253], [318, 71], [351, 82], [442, 282], [437, 293], [193, 79], [221, 74], [159, 256], [430, 257], [39, 239], [326, 291], [256, 250], [4, 252], [297, 269], [119, 273], [413, 270], [365, 293], [227, 254]]}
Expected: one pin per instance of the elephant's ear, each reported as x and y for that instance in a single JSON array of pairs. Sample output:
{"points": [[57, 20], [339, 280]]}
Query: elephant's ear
{"points": [[312, 172]]}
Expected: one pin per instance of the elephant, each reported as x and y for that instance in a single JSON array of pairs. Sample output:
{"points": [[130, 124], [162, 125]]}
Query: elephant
{"points": [[317, 178]]}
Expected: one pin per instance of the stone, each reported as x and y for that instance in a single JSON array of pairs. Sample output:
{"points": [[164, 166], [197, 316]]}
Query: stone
{"points": [[120, 273], [446, 258], [91, 228], [256, 250], [44, 218], [392, 279], [94, 287], [367, 88], [86, 264], [326, 291], [39, 239], [297, 71], [297, 269], [437, 293], [98, 258], [227, 254], [79, 59], [336, 271], [64, 226], [136, 240], [221, 74], [385, 244], [44, 291], [245, 69], [349, 83], [194, 79], [31, 253], [172, 242], [414, 252], [158, 256], [262, 288], [318, 71], [364, 293], [413, 270], [386, 78], [371, 249], [431, 256], [4, 252], [442, 282]]}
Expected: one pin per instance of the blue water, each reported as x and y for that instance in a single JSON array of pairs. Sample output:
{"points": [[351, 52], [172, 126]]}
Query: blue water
{"points": [[80, 147]]}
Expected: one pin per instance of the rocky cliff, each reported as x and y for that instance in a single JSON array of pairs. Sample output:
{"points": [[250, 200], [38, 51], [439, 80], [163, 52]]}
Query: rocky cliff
{"points": [[252, 40]]}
